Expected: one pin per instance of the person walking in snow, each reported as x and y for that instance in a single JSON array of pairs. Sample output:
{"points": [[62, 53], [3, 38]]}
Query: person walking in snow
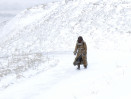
{"points": [[81, 53]]}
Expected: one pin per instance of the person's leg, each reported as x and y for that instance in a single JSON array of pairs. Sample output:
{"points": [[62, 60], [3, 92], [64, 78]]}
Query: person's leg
{"points": [[78, 66]]}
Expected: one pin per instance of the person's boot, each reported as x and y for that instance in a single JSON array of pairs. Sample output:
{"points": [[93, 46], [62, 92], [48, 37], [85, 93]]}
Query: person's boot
{"points": [[85, 66], [78, 67]]}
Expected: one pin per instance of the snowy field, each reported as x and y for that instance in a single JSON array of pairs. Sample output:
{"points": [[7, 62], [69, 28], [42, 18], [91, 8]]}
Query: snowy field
{"points": [[36, 60], [107, 76]]}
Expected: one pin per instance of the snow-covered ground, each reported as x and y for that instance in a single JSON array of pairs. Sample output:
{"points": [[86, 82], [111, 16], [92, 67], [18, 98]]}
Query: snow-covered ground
{"points": [[107, 76], [37, 51]]}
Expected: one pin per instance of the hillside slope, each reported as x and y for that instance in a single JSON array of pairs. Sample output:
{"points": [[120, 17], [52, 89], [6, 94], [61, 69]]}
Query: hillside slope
{"points": [[56, 26]]}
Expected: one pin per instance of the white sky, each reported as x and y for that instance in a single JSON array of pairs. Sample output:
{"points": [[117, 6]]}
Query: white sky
{"points": [[20, 4]]}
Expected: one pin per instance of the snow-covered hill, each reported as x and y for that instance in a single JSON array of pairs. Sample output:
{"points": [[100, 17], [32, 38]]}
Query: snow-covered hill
{"points": [[56, 26], [31, 41]]}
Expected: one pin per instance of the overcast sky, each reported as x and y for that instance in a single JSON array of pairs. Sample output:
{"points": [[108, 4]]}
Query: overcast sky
{"points": [[20, 4]]}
